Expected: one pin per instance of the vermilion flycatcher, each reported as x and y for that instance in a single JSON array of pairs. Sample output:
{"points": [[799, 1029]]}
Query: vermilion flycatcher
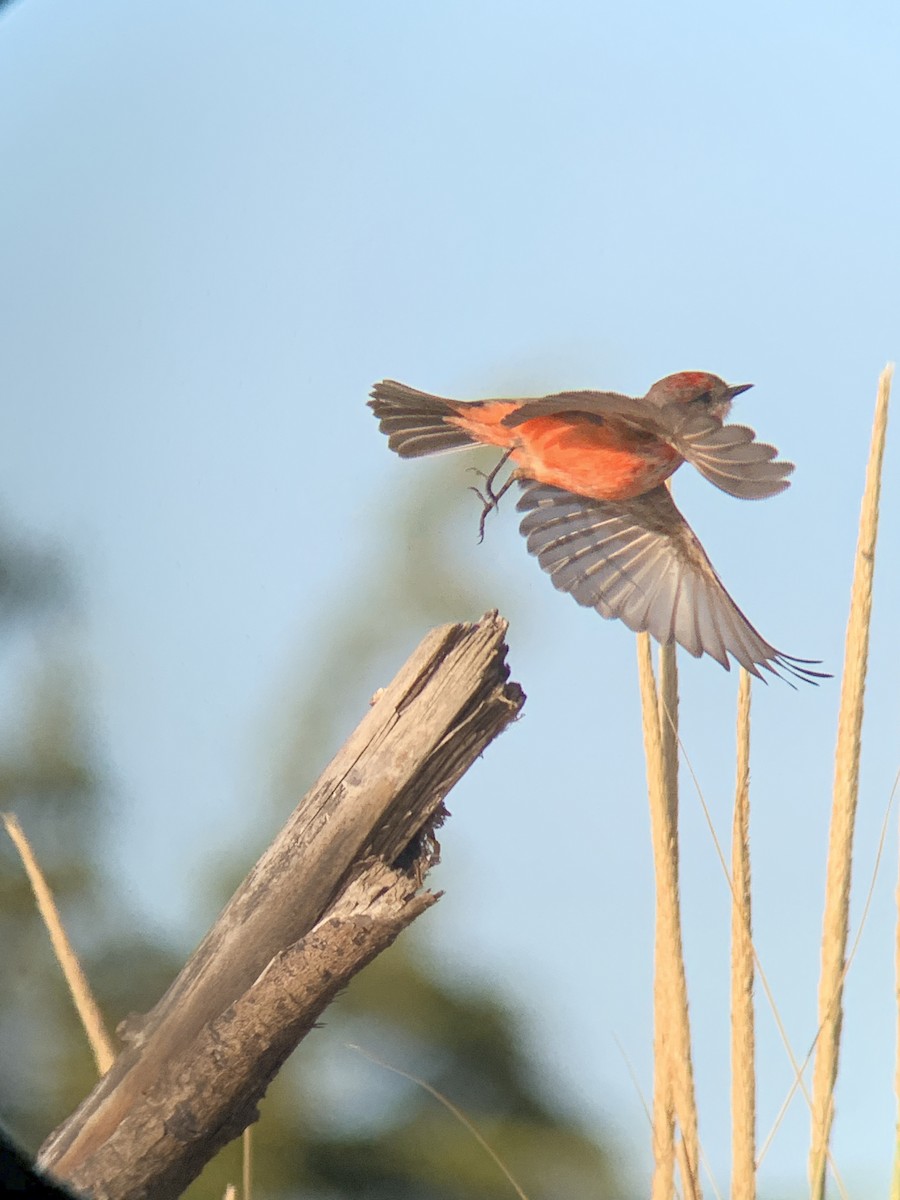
{"points": [[600, 518]]}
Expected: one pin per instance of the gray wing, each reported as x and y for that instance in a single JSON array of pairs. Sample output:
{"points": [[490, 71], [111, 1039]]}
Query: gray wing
{"points": [[640, 561], [727, 455], [626, 410]]}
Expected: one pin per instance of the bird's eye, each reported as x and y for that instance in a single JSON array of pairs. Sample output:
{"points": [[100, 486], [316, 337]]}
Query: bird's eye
{"points": [[703, 398]]}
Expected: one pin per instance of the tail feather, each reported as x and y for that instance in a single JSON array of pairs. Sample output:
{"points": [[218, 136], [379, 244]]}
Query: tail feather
{"points": [[415, 422]]}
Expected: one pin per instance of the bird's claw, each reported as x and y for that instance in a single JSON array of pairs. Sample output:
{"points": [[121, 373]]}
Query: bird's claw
{"points": [[490, 499], [488, 503]]}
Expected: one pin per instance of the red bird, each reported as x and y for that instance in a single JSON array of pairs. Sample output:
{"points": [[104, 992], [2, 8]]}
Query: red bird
{"points": [[600, 518]]}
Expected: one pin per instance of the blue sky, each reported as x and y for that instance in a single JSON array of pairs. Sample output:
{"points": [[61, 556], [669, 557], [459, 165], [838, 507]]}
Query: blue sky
{"points": [[219, 224]]}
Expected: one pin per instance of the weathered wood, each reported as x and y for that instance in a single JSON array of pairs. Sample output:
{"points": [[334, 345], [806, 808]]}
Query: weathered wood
{"points": [[336, 886]]}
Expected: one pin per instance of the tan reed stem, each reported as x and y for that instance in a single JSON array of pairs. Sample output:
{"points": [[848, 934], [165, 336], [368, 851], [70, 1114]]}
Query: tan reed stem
{"points": [[743, 1071], [843, 811], [247, 1164], [673, 1090], [79, 988]]}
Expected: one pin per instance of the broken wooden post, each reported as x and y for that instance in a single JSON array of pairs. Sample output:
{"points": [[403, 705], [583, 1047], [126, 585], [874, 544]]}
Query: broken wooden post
{"points": [[340, 881]]}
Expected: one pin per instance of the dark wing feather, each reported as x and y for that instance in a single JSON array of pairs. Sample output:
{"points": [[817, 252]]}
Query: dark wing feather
{"points": [[416, 422], [640, 561]]}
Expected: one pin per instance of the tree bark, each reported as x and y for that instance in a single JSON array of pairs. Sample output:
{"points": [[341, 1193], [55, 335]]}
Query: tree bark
{"points": [[337, 885]]}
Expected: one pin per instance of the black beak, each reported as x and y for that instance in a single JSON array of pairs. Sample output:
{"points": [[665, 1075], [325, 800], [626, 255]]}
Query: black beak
{"points": [[738, 388]]}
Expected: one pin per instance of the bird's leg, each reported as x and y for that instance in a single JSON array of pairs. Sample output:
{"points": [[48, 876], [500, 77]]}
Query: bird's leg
{"points": [[494, 503], [489, 498], [492, 499]]}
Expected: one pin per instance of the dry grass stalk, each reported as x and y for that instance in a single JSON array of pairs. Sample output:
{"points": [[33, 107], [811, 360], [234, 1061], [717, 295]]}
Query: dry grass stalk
{"points": [[743, 1073], [454, 1111], [668, 729], [766, 987], [76, 981], [655, 724], [247, 1163], [674, 1080], [843, 812]]}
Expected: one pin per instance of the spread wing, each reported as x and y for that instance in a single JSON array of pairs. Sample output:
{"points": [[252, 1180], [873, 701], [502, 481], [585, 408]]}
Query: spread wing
{"points": [[640, 561], [727, 455]]}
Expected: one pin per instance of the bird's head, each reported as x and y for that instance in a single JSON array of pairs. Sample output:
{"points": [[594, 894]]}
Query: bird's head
{"points": [[698, 389]]}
